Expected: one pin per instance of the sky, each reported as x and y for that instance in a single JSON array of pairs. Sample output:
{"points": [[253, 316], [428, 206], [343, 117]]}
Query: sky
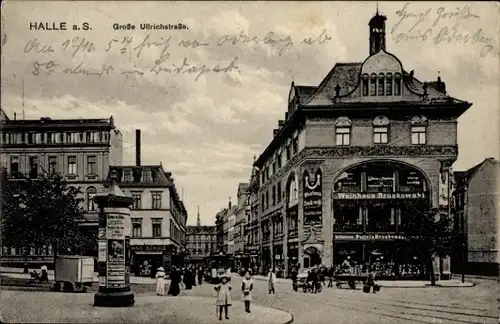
{"points": [[206, 100]]}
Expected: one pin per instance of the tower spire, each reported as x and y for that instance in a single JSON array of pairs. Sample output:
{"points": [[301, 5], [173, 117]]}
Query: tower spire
{"points": [[198, 221]]}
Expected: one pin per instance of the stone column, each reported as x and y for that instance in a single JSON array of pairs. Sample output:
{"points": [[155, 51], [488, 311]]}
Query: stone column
{"points": [[114, 247]]}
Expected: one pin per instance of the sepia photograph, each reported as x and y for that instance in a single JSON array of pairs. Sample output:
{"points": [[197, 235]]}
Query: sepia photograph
{"points": [[250, 162]]}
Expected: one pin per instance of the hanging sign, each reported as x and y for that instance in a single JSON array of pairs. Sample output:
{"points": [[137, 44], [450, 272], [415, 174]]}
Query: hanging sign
{"points": [[313, 198]]}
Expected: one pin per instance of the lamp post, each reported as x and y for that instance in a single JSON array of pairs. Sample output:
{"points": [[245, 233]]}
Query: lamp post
{"points": [[114, 247]]}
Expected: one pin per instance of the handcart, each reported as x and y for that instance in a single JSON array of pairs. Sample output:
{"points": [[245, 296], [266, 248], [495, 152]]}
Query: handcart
{"points": [[349, 279]]}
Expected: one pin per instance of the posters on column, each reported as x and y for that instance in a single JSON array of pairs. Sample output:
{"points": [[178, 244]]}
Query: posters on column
{"points": [[115, 232]]}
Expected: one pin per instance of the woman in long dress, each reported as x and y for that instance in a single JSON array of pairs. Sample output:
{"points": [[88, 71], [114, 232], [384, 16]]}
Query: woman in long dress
{"points": [[175, 279], [188, 280], [246, 288], [160, 281], [271, 281]]}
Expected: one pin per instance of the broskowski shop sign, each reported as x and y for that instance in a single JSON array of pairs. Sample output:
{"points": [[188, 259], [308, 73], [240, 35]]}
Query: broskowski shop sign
{"points": [[379, 195]]}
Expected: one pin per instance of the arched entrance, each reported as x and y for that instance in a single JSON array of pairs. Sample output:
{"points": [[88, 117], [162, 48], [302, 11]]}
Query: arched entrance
{"points": [[312, 257], [372, 203]]}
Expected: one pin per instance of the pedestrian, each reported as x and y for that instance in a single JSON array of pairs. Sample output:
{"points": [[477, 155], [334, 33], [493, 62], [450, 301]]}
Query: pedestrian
{"points": [[271, 281], [223, 300], [293, 276], [44, 277], [188, 281], [175, 280], [246, 288], [160, 281], [200, 276]]}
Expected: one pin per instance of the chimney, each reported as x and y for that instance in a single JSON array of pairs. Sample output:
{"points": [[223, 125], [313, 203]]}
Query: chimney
{"points": [[229, 203], [275, 132], [137, 147], [281, 123]]}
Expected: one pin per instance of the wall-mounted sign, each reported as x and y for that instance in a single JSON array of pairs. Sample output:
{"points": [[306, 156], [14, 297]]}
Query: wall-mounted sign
{"points": [[368, 237], [149, 248], [380, 181], [379, 195], [313, 195]]}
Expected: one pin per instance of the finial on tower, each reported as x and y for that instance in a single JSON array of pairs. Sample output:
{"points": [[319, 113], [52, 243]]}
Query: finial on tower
{"points": [[377, 9]]}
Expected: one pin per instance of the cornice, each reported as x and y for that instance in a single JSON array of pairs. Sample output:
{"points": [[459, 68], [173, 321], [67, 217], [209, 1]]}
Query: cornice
{"points": [[363, 151]]}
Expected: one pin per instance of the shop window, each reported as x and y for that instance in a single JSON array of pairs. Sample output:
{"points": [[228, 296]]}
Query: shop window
{"points": [[349, 182], [379, 179], [388, 84], [380, 218], [364, 85], [373, 84], [411, 180], [348, 218], [381, 84], [397, 84]]}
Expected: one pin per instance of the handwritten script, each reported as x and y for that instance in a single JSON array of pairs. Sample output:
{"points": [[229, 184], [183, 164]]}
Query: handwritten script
{"points": [[443, 26], [152, 54]]}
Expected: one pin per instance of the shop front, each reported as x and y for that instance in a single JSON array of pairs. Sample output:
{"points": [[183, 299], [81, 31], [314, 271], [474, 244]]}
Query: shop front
{"points": [[293, 255], [371, 206], [147, 258], [266, 259]]}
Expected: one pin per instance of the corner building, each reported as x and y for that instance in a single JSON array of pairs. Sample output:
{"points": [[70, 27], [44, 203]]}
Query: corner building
{"points": [[349, 156]]}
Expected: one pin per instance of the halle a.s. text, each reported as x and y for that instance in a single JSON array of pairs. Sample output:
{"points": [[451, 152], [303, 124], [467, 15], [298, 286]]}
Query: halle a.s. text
{"points": [[57, 26]]}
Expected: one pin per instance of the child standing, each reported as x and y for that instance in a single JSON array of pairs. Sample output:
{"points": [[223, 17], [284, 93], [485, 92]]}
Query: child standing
{"points": [[223, 296], [246, 288]]}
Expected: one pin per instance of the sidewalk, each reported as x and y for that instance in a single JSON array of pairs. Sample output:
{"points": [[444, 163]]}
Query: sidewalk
{"points": [[397, 283], [77, 308], [18, 273]]}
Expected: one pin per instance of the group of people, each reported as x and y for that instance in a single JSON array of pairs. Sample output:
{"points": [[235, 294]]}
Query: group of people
{"points": [[188, 277]]}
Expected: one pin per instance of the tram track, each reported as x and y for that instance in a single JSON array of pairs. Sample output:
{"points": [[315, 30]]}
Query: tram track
{"points": [[436, 314]]}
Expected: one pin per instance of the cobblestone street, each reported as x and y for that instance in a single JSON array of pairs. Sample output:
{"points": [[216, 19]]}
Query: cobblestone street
{"points": [[476, 304]]}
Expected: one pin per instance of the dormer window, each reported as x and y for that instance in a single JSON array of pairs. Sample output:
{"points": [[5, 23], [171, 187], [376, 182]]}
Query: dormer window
{"points": [[373, 84], [381, 84], [388, 84], [343, 131], [397, 84], [127, 175], [381, 130], [364, 85]]}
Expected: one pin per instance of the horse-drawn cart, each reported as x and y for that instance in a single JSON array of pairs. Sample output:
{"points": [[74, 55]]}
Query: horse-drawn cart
{"points": [[349, 279]]}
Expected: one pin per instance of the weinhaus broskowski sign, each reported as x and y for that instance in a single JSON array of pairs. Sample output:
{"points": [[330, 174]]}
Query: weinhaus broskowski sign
{"points": [[378, 195]]}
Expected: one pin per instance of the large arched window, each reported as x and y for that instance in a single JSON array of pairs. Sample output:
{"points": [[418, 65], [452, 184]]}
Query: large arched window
{"points": [[381, 130], [388, 83], [378, 196], [373, 84], [381, 84], [397, 84], [91, 192], [364, 84]]}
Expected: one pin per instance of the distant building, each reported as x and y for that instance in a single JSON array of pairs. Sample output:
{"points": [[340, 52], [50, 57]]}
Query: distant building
{"points": [[219, 224], [253, 242], [158, 216], [477, 216], [201, 242], [79, 149], [242, 260]]}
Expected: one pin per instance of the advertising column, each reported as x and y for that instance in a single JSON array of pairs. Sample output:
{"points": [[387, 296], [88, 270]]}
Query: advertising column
{"points": [[114, 248]]}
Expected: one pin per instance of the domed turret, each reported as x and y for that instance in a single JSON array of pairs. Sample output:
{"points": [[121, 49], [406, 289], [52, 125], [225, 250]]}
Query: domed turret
{"points": [[377, 33]]}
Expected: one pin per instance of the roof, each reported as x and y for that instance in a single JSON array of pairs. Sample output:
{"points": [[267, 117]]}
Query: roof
{"points": [[463, 177], [305, 92], [343, 74], [204, 229]]}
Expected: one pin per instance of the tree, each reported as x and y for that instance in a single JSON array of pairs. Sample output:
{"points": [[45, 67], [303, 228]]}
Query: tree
{"points": [[429, 233], [42, 211]]}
